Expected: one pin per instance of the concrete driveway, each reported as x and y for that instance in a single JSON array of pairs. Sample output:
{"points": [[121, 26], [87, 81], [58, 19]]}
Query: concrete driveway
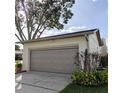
{"points": [[40, 82]]}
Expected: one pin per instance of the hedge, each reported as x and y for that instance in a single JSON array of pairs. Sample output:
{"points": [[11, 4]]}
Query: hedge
{"points": [[97, 78]]}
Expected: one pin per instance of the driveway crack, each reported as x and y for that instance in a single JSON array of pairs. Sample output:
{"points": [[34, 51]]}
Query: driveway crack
{"points": [[36, 81], [37, 86]]}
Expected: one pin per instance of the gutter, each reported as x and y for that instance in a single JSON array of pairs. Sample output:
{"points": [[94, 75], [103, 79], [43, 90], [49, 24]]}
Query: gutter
{"points": [[57, 37], [61, 36]]}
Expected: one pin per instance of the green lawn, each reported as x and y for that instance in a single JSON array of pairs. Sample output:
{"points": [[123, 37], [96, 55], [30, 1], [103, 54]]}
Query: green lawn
{"points": [[80, 89]]}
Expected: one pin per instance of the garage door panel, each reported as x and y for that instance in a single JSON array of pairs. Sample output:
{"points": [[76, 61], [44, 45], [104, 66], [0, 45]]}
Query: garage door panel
{"points": [[60, 60], [51, 54]]}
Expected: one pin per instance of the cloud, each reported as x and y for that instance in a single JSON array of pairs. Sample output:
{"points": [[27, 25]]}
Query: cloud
{"points": [[69, 30], [94, 0], [74, 28]]}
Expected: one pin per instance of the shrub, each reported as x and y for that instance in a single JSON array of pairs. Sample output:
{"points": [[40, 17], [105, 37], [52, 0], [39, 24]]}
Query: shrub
{"points": [[18, 57], [18, 67], [104, 61], [101, 77], [90, 78], [18, 64]]}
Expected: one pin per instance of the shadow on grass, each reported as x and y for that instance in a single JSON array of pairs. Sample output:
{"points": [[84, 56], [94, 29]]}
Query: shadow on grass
{"points": [[73, 88]]}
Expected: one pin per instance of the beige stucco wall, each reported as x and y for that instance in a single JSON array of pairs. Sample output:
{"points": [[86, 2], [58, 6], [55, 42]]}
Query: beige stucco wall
{"points": [[79, 41], [93, 44]]}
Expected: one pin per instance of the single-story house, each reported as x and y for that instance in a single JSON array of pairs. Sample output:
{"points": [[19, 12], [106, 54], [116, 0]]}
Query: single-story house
{"points": [[19, 52], [57, 53]]}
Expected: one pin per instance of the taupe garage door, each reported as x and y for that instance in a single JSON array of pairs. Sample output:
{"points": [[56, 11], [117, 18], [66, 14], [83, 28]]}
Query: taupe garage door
{"points": [[53, 60]]}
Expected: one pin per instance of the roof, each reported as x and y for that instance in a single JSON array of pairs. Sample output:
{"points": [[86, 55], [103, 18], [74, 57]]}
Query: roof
{"points": [[67, 35]]}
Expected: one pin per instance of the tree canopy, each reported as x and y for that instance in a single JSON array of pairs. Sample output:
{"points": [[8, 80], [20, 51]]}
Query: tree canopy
{"points": [[17, 47], [32, 17]]}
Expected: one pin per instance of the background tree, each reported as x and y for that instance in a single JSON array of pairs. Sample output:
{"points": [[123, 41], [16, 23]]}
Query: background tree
{"points": [[32, 17], [17, 55], [17, 47]]}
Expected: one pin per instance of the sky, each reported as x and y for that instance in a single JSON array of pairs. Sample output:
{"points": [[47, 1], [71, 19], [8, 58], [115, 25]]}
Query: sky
{"points": [[88, 14], [91, 14]]}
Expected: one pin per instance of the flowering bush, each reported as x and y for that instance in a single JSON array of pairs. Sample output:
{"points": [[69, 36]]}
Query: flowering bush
{"points": [[96, 78]]}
